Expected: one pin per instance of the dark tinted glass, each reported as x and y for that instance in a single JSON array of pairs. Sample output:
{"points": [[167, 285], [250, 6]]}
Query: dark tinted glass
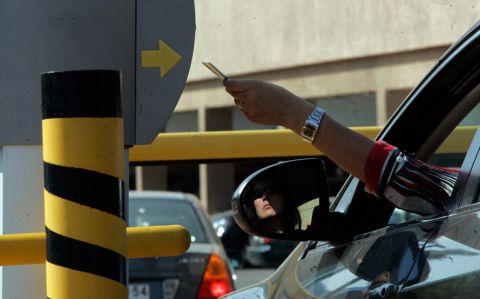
{"points": [[452, 268], [271, 189]]}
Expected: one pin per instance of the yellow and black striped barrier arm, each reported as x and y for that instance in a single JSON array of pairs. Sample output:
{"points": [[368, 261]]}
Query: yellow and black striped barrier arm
{"points": [[83, 154]]}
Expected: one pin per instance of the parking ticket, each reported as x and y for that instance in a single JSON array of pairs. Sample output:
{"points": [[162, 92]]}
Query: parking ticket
{"points": [[214, 70]]}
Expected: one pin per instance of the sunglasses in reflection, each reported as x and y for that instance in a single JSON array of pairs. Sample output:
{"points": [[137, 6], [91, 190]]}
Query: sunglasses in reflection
{"points": [[268, 190]]}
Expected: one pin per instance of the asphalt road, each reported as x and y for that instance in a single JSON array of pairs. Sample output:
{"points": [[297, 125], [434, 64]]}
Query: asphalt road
{"points": [[246, 277]]}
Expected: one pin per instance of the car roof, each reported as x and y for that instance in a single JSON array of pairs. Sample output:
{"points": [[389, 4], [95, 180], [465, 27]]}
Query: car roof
{"points": [[164, 195], [228, 213], [178, 197]]}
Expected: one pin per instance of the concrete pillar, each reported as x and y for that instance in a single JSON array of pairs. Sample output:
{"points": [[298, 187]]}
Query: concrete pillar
{"points": [[220, 186], [202, 168], [21, 210], [381, 106], [203, 185], [216, 180]]}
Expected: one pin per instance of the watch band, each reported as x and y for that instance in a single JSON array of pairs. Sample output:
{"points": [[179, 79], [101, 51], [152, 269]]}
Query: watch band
{"points": [[312, 123]]}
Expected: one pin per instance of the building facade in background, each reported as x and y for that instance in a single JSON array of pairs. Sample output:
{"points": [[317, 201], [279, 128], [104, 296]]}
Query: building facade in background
{"points": [[356, 59]]}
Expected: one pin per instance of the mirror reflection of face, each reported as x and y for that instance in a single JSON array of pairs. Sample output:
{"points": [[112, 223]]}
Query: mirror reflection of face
{"points": [[267, 199]]}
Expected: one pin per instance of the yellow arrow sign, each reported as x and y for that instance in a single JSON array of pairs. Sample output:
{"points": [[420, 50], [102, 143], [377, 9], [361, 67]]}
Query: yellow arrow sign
{"points": [[164, 58]]}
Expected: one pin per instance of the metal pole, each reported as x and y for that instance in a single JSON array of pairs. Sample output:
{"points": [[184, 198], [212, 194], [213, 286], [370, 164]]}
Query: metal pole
{"points": [[83, 143]]}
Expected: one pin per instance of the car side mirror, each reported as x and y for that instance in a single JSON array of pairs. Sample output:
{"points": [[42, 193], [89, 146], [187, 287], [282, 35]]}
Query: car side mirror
{"points": [[288, 200]]}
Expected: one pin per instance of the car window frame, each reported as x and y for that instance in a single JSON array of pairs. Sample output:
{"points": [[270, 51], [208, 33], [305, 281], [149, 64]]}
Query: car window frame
{"points": [[459, 67]]}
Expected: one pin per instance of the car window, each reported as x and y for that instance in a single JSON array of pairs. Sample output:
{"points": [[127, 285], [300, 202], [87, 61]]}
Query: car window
{"points": [[153, 212], [435, 257], [439, 258], [349, 270], [430, 112], [452, 260], [451, 153]]}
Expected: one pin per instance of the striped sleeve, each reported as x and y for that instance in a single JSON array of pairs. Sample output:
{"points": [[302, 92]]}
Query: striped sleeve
{"points": [[380, 153], [408, 183]]}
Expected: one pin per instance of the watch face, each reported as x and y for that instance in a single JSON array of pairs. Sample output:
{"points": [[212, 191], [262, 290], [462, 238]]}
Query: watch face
{"points": [[308, 131], [311, 125]]}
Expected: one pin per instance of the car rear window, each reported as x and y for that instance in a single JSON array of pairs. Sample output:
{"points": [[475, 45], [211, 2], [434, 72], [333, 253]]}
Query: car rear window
{"points": [[153, 212]]}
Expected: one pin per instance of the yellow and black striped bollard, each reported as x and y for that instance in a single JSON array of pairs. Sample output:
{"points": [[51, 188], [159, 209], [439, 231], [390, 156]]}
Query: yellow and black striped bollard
{"points": [[83, 144]]}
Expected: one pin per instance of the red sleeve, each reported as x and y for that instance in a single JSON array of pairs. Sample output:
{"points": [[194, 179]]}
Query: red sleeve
{"points": [[374, 165]]}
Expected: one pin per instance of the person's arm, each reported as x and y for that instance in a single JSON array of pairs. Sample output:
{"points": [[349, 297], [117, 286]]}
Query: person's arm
{"points": [[399, 178], [265, 103]]}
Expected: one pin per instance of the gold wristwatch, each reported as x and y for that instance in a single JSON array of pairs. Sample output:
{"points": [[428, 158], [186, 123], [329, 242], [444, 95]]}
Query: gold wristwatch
{"points": [[311, 125]]}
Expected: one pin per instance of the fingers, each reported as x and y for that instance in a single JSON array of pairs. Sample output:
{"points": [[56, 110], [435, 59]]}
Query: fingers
{"points": [[238, 102], [236, 85], [242, 104], [243, 92], [233, 85], [237, 94]]}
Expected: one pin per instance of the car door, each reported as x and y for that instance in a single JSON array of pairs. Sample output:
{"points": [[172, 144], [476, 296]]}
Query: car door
{"points": [[452, 252], [380, 261], [452, 259], [428, 116]]}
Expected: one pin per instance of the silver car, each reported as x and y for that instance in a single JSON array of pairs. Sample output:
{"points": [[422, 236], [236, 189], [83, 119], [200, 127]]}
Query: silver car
{"points": [[202, 272]]}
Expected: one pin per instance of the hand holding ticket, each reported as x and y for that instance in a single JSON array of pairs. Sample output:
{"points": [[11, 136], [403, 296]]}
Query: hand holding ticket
{"points": [[214, 70]]}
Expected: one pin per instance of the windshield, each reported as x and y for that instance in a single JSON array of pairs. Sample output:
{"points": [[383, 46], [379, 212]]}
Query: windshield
{"points": [[153, 212]]}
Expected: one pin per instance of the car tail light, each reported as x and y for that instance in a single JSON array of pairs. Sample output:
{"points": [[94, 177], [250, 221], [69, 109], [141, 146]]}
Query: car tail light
{"points": [[267, 240], [216, 279], [254, 240]]}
